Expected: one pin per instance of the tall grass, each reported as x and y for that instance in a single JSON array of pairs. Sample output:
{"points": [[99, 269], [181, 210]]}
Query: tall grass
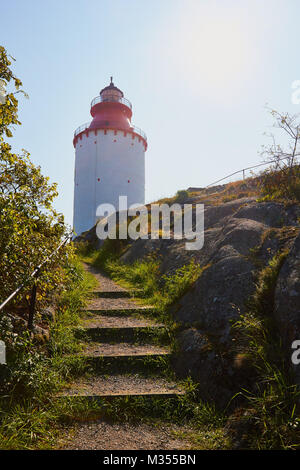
{"points": [[273, 403]]}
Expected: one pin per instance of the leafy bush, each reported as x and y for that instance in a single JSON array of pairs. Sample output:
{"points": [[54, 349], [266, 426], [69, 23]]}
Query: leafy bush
{"points": [[30, 229], [181, 195]]}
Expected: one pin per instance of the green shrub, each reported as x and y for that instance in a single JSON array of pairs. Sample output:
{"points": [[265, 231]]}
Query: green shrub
{"points": [[181, 196]]}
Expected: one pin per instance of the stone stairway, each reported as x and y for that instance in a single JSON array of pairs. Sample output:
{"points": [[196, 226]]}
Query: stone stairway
{"points": [[124, 345]]}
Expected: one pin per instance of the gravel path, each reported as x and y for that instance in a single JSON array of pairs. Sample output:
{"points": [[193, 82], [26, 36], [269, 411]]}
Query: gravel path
{"points": [[105, 283]]}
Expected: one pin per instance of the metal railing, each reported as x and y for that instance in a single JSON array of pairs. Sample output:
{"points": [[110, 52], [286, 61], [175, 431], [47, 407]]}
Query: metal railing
{"points": [[139, 131], [34, 275], [111, 99], [134, 129], [243, 170], [82, 128]]}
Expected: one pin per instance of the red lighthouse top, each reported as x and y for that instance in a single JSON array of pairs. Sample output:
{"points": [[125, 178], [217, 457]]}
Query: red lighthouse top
{"points": [[110, 110]]}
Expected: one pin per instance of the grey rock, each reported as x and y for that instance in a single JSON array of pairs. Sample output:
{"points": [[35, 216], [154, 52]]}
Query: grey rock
{"points": [[48, 313]]}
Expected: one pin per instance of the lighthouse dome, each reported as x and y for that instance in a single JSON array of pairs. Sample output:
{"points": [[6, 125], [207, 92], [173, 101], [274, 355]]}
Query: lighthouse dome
{"points": [[111, 92]]}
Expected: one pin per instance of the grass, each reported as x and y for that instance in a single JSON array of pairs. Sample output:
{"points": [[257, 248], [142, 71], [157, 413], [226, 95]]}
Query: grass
{"points": [[160, 290], [206, 438]]}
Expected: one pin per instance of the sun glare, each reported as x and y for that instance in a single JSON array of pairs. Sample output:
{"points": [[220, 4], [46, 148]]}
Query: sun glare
{"points": [[213, 49]]}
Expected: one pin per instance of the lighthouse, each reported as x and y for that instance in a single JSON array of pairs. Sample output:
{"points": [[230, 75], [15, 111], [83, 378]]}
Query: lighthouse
{"points": [[109, 158]]}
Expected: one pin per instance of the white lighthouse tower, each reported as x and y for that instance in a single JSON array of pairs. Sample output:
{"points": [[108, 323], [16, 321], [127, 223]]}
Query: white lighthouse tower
{"points": [[109, 158]]}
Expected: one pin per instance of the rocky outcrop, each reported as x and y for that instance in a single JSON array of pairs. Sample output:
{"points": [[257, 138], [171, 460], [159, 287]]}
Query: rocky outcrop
{"points": [[241, 237]]}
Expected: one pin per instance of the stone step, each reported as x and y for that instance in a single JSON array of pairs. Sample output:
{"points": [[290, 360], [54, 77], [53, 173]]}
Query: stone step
{"points": [[122, 385], [117, 294], [94, 350], [120, 310], [106, 321], [126, 357], [148, 364], [140, 335], [125, 329], [115, 305]]}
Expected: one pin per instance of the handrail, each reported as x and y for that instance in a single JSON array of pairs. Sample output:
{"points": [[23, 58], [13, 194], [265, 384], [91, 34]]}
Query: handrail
{"points": [[245, 169], [31, 276], [111, 99]]}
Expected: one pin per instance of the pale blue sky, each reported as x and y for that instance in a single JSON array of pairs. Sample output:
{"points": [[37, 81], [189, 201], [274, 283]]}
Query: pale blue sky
{"points": [[197, 72]]}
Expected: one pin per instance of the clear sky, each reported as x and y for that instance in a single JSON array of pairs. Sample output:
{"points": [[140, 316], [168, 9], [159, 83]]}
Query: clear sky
{"points": [[198, 73]]}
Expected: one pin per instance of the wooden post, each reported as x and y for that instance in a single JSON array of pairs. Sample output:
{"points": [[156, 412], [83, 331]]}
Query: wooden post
{"points": [[32, 307]]}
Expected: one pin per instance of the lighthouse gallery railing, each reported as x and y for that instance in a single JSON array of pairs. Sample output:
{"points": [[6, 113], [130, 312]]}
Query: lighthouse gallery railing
{"points": [[134, 129], [111, 99]]}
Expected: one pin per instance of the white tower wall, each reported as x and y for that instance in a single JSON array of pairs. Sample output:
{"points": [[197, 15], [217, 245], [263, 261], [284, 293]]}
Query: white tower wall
{"points": [[108, 164]]}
